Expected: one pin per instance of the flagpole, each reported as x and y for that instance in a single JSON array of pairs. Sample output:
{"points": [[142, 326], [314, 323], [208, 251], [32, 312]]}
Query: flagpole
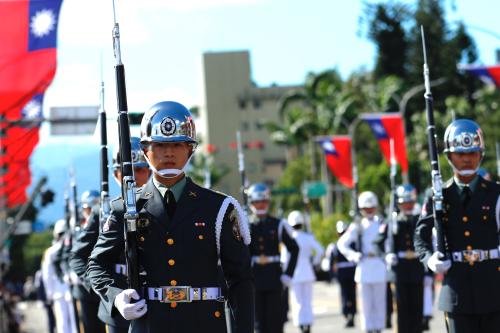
{"points": [[351, 128]]}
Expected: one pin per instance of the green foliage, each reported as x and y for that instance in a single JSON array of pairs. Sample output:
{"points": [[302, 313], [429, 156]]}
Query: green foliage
{"points": [[296, 172], [324, 229], [33, 250]]}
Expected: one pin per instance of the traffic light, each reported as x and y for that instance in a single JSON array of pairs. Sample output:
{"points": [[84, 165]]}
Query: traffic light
{"points": [[47, 197]]}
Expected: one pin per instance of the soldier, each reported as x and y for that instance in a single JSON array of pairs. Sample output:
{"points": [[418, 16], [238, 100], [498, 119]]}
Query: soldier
{"points": [[86, 240], [182, 233], [343, 270], [405, 270], [470, 292], [267, 234], [301, 286], [56, 291], [370, 274]]}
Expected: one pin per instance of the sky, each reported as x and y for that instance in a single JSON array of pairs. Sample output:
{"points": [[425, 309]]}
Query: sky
{"points": [[162, 43]]}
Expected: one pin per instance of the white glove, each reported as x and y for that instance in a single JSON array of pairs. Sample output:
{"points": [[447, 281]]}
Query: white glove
{"points": [[391, 259], [286, 280], [74, 278], [66, 279], [355, 257], [130, 311], [437, 265]]}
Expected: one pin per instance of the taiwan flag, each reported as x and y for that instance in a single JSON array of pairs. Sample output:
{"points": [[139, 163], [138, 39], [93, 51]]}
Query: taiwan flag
{"points": [[338, 157], [490, 74], [387, 126], [28, 39]]}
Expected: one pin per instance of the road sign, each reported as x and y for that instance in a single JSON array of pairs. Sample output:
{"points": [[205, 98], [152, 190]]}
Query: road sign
{"points": [[314, 190]]}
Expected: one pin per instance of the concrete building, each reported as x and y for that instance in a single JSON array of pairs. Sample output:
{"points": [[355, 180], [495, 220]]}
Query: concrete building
{"points": [[233, 102]]}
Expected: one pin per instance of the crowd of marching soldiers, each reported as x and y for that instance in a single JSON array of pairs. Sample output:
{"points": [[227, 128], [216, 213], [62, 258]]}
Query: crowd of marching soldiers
{"points": [[205, 274]]}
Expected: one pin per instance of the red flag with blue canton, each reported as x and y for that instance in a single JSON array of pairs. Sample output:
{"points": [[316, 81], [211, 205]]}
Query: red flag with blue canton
{"points": [[338, 157], [28, 35], [386, 126], [490, 74]]}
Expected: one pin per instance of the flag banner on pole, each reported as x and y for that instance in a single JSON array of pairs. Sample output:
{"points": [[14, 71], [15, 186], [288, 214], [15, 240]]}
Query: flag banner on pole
{"points": [[337, 150], [28, 36], [489, 74], [386, 126]]}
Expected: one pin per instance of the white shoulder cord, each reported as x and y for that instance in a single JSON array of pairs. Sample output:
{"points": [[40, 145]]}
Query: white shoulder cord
{"points": [[242, 222], [497, 216]]}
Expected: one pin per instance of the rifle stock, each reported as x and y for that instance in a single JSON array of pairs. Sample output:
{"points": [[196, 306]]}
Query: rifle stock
{"points": [[241, 168], [437, 183], [392, 223], [128, 180]]}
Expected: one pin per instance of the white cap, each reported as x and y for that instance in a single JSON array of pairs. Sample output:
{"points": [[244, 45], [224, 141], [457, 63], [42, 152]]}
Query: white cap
{"points": [[295, 218], [59, 227], [367, 199]]}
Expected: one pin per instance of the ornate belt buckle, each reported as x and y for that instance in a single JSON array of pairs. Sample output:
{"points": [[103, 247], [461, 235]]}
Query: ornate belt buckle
{"points": [[409, 254], [176, 294], [471, 256], [263, 259]]}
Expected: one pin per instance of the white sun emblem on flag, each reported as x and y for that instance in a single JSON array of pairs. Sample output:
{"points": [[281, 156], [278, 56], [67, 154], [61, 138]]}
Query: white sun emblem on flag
{"points": [[328, 146], [42, 23], [32, 110], [379, 128]]}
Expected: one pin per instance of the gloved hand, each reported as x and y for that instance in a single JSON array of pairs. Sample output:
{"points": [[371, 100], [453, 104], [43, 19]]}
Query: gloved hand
{"points": [[437, 265], [355, 257], [286, 280], [128, 310], [74, 278], [391, 259]]}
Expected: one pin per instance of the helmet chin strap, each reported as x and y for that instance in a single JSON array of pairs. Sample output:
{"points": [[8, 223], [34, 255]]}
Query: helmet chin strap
{"points": [[466, 172], [258, 212], [168, 173]]}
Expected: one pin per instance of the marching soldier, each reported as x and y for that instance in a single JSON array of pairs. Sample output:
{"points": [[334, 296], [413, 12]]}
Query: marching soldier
{"points": [[301, 286], [405, 270], [370, 272], [343, 270], [267, 234], [470, 292], [86, 240], [182, 233]]}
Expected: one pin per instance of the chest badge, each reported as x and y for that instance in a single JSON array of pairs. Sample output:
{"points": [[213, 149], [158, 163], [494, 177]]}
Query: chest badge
{"points": [[199, 224], [192, 194]]}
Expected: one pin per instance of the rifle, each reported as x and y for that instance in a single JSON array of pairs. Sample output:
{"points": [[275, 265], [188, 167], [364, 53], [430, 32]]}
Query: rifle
{"points": [[437, 183], [392, 222], [241, 168], [105, 200], [128, 180], [497, 146]]}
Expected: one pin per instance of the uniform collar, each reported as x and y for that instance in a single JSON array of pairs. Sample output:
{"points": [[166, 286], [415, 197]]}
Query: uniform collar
{"points": [[472, 185], [176, 189]]}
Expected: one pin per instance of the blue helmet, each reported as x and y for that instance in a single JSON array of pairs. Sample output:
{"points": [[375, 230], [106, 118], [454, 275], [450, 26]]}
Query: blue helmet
{"points": [[138, 158], [463, 136], [90, 198], [259, 192], [168, 122], [406, 193]]}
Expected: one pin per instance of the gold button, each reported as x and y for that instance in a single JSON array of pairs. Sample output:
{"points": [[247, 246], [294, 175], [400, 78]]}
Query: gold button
{"points": [[498, 268], [141, 238], [200, 237], [469, 247], [465, 219], [173, 305], [171, 262], [173, 283], [471, 263], [170, 241], [467, 233], [485, 217], [217, 314]]}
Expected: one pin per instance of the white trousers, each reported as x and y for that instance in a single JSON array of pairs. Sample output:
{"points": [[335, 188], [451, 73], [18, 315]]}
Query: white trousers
{"points": [[64, 315], [301, 303], [428, 300], [373, 305]]}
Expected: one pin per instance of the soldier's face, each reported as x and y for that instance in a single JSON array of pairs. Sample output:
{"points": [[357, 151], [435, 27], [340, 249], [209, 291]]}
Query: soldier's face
{"points": [[141, 175], [260, 207], [368, 212], [407, 207], [168, 155], [466, 161]]}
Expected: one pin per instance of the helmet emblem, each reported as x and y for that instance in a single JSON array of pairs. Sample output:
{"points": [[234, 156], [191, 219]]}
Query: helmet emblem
{"points": [[167, 126], [467, 140]]}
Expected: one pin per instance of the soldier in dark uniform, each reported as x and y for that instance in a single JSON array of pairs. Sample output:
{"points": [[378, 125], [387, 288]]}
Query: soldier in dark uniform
{"points": [[267, 234], [470, 292], [405, 270], [86, 240], [343, 270], [184, 231]]}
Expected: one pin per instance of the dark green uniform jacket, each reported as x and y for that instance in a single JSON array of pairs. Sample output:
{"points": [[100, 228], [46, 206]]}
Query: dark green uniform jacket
{"points": [[180, 252], [468, 288]]}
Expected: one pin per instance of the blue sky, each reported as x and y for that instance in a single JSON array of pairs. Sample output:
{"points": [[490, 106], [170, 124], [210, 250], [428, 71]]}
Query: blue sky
{"points": [[162, 46]]}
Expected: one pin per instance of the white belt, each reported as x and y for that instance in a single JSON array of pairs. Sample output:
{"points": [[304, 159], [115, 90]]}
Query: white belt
{"points": [[121, 269], [345, 264], [263, 260], [184, 294], [474, 255], [407, 255]]}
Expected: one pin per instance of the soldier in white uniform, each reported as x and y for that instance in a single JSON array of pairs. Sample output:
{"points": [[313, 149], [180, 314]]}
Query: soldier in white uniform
{"points": [[301, 286], [370, 273], [56, 290]]}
